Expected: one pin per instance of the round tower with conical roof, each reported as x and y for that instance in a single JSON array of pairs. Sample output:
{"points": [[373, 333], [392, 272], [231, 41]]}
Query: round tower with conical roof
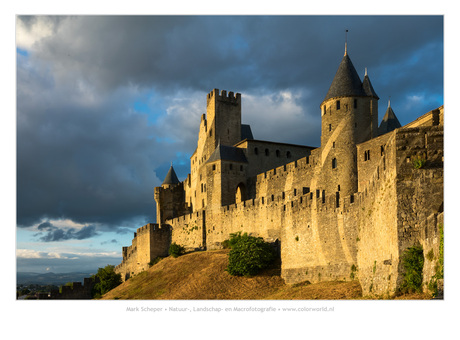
{"points": [[349, 116]]}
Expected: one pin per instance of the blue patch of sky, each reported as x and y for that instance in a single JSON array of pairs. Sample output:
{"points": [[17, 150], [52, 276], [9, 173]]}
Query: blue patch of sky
{"points": [[22, 52], [150, 104]]}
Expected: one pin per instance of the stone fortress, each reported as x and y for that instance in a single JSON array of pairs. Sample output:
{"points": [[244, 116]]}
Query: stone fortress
{"points": [[345, 210]]}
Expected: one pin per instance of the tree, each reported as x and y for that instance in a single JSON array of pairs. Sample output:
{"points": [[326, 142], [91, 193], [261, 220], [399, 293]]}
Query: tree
{"points": [[248, 255], [106, 279]]}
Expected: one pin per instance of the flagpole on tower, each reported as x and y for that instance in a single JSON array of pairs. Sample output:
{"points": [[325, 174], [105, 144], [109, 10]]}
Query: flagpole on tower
{"points": [[346, 33]]}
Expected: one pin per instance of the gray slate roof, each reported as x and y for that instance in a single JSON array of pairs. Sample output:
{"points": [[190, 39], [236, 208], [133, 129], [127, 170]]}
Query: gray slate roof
{"points": [[368, 89], [246, 132], [171, 177], [346, 81], [228, 153], [389, 122]]}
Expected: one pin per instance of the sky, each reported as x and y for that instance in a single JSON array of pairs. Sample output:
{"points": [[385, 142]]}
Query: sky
{"points": [[104, 104]]}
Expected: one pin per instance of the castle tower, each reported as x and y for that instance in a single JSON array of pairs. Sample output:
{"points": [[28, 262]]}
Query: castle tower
{"points": [[349, 116], [226, 177], [224, 118], [170, 197], [389, 122], [221, 124]]}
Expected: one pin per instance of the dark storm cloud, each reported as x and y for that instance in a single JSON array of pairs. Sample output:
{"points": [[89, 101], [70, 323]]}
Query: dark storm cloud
{"points": [[56, 234], [239, 51], [84, 154]]}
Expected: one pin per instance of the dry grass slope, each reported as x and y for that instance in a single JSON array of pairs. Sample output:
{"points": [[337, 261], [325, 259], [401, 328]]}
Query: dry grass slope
{"points": [[202, 276]]}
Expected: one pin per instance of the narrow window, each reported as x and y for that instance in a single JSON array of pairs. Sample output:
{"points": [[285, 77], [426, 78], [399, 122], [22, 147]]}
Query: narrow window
{"points": [[256, 151], [352, 198], [213, 167], [210, 132], [231, 166], [324, 109], [317, 193], [337, 199], [241, 168], [338, 187], [334, 163], [337, 103], [277, 153], [382, 150], [333, 145], [288, 154], [273, 198], [267, 152], [330, 127], [355, 103], [283, 195], [323, 196], [295, 192]]}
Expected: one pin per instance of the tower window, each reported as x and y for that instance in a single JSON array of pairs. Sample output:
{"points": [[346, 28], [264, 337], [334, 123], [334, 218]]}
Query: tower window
{"points": [[288, 154], [256, 151], [277, 153], [323, 196], [355, 103], [213, 167], [334, 163], [337, 103], [241, 168], [267, 152], [324, 109], [367, 155], [231, 166], [330, 127]]}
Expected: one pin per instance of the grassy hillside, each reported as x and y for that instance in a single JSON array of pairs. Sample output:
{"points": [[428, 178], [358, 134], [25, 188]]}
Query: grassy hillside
{"points": [[202, 275]]}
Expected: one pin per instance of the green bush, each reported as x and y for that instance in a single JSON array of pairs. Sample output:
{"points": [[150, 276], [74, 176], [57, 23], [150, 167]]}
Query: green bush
{"points": [[176, 250], [412, 260], [248, 255], [106, 279], [418, 161]]}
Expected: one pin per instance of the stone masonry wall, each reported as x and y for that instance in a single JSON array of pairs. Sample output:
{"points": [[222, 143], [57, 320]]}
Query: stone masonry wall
{"points": [[149, 242]]}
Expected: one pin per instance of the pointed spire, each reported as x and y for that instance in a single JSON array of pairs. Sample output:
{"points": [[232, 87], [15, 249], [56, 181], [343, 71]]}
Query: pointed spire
{"points": [[389, 122], [367, 86], [346, 81], [171, 177]]}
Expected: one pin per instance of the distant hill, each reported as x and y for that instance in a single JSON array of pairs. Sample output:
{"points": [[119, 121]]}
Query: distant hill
{"points": [[202, 275], [51, 278]]}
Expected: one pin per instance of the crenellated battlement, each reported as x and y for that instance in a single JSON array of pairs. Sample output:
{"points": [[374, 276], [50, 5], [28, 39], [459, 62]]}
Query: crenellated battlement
{"points": [[230, 97]]}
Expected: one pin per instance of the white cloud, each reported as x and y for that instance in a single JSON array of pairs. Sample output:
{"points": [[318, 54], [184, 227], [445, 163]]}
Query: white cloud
{"points": [[278, 116], [27, 35], [34, 254]]}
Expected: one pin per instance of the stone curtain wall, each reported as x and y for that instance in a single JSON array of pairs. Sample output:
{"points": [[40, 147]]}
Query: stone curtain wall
{"points": [[189, 230], [149, 242]]}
